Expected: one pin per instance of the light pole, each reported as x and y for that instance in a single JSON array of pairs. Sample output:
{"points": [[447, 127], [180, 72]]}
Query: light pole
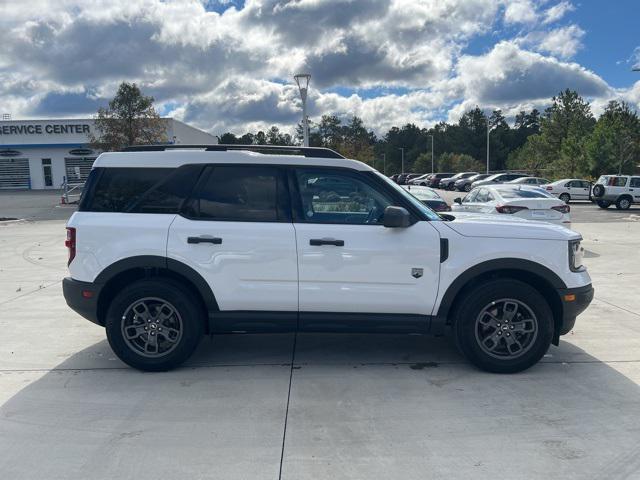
{"points": [[302, 80], [489, 128], [384, 163], [402, 150], [431, 153]]}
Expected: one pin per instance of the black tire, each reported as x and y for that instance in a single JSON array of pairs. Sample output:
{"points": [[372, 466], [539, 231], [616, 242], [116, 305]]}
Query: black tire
{"points": [[623, 203], [489, 295], [598, 190], [565, 197], [188, 314], [603, 204], [467, 187]]}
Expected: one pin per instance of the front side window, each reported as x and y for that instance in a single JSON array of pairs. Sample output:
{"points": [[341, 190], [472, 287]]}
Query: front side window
{"points": [[471, 197], [329, 196], [243, 193]]}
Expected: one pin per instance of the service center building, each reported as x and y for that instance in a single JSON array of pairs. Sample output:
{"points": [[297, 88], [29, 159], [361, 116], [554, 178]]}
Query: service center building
{"points": [[40, 154]]}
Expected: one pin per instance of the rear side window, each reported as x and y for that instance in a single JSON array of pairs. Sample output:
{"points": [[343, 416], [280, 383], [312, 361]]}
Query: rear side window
{"points": [[243, 193], [617, 181], [118, 188], [141, 190]]}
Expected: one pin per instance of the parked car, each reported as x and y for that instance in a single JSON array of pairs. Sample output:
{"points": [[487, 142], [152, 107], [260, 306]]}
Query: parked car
{"points": [[464, 184], [621, 190], [569, 189], [173, 242], [429, 197], [420, 179], [530, 203], [498, 178], [394, 177], [434, 180], [448, 183], [535, 181], [405, 178]]}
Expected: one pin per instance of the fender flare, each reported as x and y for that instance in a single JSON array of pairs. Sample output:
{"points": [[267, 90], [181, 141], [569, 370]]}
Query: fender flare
{"points": [[501, 264], [153, 262]]}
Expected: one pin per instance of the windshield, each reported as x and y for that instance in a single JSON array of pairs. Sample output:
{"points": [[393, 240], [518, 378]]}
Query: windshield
{"points": [[423, 193], [430, 214]]}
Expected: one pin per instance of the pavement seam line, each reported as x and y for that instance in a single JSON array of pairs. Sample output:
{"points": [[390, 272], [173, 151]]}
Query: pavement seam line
{"points": [[286, 415], [4, 302], [617, 306]]}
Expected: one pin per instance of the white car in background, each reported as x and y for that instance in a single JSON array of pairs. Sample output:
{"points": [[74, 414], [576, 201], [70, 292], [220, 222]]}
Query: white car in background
{"points": [[533, 181], [569, 189], [529, 203]]}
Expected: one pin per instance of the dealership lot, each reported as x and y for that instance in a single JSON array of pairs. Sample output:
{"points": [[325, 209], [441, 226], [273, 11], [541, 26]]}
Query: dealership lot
{"points": [[313, 406]]}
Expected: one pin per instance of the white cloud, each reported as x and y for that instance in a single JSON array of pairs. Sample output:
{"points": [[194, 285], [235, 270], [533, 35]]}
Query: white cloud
{"points": [[556, 12], [563, 42], [520, 11]]}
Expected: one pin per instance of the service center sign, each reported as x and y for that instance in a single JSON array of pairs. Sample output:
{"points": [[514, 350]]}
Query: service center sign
{"points": [[47, 128]]}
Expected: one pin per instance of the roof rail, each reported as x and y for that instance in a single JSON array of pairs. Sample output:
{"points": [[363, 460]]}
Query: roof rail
{"points": [[317, 152]]}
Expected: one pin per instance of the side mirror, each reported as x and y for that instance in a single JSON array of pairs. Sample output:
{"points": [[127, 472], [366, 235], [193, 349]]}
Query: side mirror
{"points": [[458, 200], [396, 217]]}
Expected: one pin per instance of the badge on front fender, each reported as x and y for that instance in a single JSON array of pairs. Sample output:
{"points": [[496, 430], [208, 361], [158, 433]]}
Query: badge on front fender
{"points": [[417, 272]]}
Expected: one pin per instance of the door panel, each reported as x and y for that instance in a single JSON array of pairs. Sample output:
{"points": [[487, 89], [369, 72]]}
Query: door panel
{"points": [[372, 272], [236, 231], [348, 261], [253, 268]]}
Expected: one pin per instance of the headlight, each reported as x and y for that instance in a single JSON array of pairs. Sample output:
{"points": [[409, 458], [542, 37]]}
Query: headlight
{"points": [[576, 254]]}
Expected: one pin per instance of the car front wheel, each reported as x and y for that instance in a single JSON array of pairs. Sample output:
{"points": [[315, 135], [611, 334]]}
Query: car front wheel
{"points": [[154, 325], [503, 326], [565, 197]]}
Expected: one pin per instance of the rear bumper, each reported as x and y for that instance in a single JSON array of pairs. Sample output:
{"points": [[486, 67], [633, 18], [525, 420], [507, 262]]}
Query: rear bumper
{"points": [[574, 302], [82, 297]]}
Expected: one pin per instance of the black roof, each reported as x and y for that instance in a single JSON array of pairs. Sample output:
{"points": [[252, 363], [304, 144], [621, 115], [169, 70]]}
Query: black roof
{"points": [[271, 149]]}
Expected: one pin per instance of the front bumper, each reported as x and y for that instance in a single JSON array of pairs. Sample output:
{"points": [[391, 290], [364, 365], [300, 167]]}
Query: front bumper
{"points": [[82, 297], [574, 301]]}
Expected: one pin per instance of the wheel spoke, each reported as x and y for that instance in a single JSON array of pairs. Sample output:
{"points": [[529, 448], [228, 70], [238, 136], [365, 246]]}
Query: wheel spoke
{"points": [[523, 326], [170, 334], [509, 310], [492, 342], [142, 311], [151, 345], [487, 319], [133, 331], [513, 345], [164, 313]]}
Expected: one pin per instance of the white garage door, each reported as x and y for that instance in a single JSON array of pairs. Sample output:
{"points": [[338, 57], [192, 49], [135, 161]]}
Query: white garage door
{"points": [[14, 173], [77, 169]]}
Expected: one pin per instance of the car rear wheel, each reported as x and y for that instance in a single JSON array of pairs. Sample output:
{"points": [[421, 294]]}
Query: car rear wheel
{"points": [[623, 203], [565, 197], [467, 187], [154, 325], [503, 326], [603, 204]]}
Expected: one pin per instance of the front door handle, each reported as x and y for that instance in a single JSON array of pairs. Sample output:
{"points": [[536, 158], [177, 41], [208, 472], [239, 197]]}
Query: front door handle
{"points": [[214, 240], [326, 241]]}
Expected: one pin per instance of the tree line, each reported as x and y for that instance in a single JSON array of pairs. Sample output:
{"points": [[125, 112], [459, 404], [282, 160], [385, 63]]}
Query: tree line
{"points": [[565, 140]]}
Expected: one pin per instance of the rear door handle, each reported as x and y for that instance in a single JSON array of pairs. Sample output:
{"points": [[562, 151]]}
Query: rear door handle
{"points": [[214, 240], [326, 241]]}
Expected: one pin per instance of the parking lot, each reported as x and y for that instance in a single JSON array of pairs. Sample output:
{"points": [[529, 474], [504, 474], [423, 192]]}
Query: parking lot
{"points": [[312, 405]]}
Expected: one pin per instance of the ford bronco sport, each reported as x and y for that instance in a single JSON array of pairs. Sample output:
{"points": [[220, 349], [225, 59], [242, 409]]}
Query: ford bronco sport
{"points": [[172, 242]]}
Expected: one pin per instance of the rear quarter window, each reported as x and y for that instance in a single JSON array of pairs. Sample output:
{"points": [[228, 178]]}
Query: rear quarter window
{"points": [[140, 190]]}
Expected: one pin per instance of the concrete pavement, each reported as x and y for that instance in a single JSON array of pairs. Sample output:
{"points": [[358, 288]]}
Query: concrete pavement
{"points": [[315, 406]]}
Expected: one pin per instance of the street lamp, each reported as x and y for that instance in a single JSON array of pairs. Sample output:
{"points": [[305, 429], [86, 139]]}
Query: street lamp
{"points": [[489, 128], [302, 80], [402, 150], [431, 153], [384, 163]]}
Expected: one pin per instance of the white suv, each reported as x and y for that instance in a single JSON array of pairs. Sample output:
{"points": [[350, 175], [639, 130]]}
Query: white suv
{"points": [[621, 190], [170, 243]]}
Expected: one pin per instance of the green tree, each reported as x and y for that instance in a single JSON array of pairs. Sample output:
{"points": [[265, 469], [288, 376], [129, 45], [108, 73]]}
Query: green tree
{"points": [[614, 145], [458, 162], [532, 157], [130, 119]]}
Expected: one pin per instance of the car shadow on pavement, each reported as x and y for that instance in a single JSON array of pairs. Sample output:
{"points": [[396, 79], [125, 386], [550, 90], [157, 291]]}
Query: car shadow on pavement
{"points": [[359, 406]]}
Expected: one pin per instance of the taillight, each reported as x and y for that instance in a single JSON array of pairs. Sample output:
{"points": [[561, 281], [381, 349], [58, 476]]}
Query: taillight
{"points": [[549, 188], [70, 243], [510, 209], [562, 208]]}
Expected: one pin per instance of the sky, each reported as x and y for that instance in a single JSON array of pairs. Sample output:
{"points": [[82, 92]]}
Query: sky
{"points": [[227, 65]]}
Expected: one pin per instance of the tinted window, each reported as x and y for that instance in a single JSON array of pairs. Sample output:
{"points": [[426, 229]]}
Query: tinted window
{"points": [[635, 182], [330, 196], [167, 197], [119, 188], [240, 193]]}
